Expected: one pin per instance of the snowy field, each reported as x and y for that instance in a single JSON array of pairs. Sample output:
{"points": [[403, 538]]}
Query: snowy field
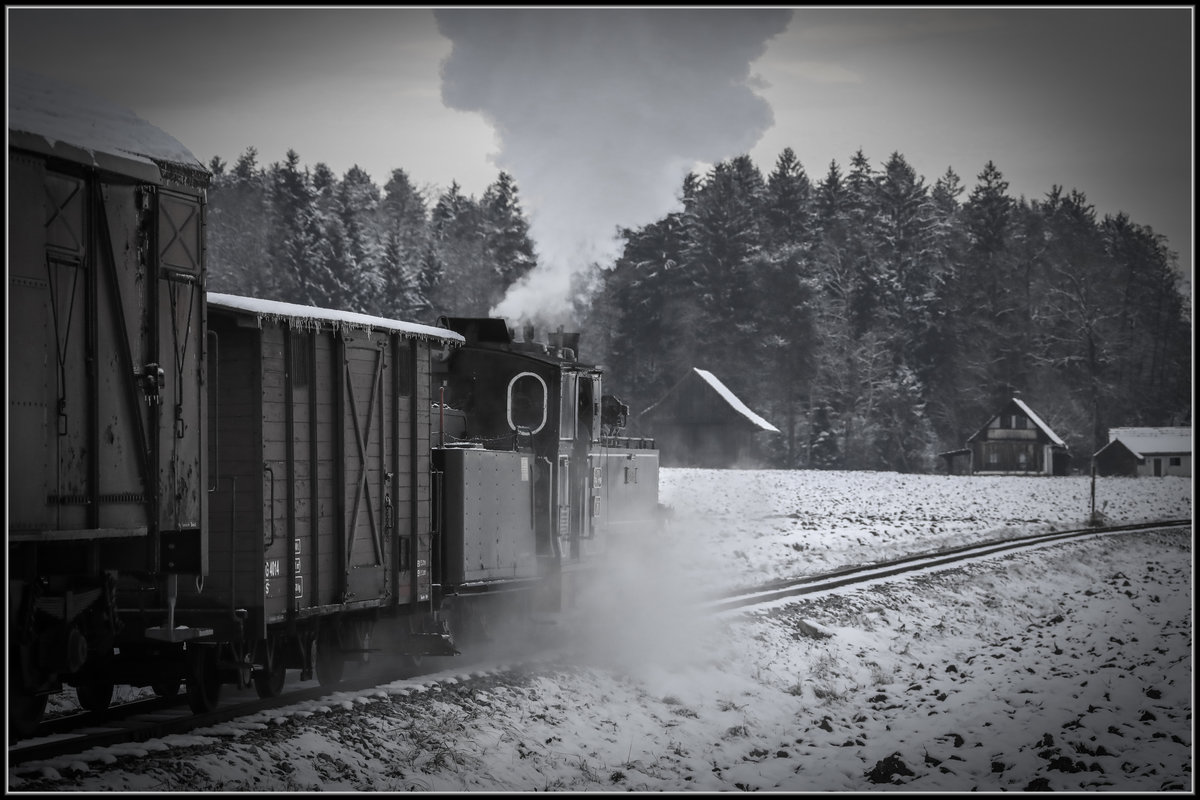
{"points": [[1065, 669], [758, 526]]}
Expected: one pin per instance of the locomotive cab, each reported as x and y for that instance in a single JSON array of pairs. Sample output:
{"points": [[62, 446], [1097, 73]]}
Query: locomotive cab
{"points": [[536, 408]]}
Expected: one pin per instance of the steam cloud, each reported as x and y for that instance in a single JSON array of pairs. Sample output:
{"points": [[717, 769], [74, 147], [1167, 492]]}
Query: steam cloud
{"points": [[600, 113]]}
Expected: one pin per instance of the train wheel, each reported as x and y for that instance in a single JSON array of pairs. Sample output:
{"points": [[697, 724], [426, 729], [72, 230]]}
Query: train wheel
{"points": [[94, 696], [24, 713], [330, 663], [203, 680], [167, 689], [269, 681]]}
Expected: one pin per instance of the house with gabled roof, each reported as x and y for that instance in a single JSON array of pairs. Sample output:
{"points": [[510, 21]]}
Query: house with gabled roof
{"points": [[700, 422], [1146, 452], [1014, 441]]}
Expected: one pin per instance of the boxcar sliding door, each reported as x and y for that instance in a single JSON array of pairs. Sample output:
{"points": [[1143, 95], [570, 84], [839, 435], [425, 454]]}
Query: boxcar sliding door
{"points": [[366, 436]]}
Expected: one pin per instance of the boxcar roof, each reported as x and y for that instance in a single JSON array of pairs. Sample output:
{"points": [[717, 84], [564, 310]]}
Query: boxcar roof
{"points": [[313, 317], [58, 119]]}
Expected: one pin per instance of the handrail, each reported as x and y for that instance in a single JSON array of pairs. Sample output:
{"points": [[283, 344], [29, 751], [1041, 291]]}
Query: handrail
{"points": [[267, 469], [215, 415]]}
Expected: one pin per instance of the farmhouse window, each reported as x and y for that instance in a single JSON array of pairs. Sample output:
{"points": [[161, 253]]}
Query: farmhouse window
{"points": [[1175, 461]]}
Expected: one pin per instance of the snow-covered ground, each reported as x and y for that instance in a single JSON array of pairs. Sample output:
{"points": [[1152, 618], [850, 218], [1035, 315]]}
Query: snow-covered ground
{"points": [[1066, 669]]}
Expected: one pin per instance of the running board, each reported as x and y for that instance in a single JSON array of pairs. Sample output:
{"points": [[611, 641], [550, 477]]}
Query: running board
{"points": [[175, 635]]}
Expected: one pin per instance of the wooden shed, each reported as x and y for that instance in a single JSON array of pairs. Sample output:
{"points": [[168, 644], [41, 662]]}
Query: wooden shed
{"points": [[1153, 452], [1015, 441], [701, 423]]}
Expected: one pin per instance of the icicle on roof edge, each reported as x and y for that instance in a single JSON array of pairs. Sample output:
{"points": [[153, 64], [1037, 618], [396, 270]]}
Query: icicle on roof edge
{"points": [[312, 318]]}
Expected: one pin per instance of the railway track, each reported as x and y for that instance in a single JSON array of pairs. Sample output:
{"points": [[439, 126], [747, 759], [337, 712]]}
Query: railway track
{"points": [[751, 597], [154, 718]]}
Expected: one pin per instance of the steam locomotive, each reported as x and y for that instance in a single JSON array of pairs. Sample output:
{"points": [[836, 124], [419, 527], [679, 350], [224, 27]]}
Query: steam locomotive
{"points": [[207, 489]]}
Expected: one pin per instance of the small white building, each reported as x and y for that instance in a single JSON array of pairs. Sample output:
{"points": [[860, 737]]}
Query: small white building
{"points": [[1152, 452]]}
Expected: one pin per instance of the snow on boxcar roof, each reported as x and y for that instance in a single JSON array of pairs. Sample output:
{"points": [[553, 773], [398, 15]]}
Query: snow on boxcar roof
{"points": [[56, 113], [312, 317], [732, 399]]}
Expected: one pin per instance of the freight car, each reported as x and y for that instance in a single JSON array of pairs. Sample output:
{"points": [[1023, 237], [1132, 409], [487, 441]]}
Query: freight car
{"points": [[107, 413], [319, 500], [212, 489]]}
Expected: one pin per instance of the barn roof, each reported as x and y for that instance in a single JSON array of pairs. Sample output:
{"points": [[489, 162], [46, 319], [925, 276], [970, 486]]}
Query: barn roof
{"points": [[1144, 441], [311, 317], [58, 119], [734, 403]]}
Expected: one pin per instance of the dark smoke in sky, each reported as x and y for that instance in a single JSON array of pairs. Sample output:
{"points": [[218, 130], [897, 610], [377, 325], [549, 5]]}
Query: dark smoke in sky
{"points": [[600, 113]]}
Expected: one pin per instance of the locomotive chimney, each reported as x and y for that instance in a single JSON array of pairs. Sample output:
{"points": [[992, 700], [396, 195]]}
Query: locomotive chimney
{"points": [[530, 332], [571, 342]]}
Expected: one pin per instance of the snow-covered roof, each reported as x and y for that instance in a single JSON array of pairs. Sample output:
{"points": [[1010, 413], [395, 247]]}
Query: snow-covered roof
{"points": [[47, 114], [1038, 421], [733, 401], [1143, 441], [312, 317], [1033, 417]]}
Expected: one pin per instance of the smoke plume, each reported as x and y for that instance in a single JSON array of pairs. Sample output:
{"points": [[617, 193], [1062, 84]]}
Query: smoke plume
{"points": [[600, 113]]}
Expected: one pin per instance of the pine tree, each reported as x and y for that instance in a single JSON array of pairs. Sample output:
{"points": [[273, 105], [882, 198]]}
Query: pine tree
{"points": [[468, 286], [789, 210], [358, 209], [506, 233], [404, 220], [238, 229], [984, 312]]}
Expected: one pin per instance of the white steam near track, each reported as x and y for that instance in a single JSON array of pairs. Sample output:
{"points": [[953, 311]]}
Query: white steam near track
{"points": [[552, 83]]}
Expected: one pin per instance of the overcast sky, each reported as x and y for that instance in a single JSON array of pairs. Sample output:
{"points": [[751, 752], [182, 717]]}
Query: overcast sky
{"points": [[621, 102]]}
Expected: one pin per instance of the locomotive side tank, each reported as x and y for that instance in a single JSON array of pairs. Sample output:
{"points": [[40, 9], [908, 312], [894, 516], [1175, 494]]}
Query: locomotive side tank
{"points": [[106, 401]]}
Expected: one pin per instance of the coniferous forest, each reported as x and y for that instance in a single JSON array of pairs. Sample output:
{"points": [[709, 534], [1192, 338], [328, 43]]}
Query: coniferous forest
{"points": [[874, 319]]}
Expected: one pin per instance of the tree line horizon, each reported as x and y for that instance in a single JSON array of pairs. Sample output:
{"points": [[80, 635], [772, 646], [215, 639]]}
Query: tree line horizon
{"points": [[875, 320]]}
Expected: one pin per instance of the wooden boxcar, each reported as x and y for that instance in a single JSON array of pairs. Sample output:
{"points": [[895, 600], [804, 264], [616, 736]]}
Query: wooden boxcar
{"points": [[320, 512], [107, 471]]}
